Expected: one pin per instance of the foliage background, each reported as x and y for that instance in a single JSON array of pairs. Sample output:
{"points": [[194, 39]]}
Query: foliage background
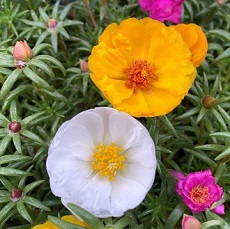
{"points": [[54, 89]]}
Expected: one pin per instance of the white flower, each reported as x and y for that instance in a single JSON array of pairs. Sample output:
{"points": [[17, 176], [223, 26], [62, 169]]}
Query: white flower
{"points": [[102, 160]]}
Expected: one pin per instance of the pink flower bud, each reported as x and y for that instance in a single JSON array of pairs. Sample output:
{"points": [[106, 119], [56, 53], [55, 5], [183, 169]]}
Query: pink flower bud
{"points": [[190, 222], [52, 23], [220, 2], [84, 66], [15, 127], [16, 194], [22, 52]]}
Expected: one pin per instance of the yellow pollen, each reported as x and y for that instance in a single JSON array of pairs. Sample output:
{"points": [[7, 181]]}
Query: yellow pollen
{"points": [[200, 194], [139, 75], [108, 160]]}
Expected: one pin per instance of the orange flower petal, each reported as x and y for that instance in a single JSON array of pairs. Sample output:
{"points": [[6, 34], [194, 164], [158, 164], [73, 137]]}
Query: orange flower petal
{"points": [[196, 41]]}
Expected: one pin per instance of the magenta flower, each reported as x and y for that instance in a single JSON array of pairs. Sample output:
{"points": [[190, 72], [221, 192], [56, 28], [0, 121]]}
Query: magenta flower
{"points": [[199, 191], [163, 10]]}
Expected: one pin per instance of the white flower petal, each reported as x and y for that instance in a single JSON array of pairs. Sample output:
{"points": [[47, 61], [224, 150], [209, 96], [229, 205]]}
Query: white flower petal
{"points": [[93, 122], [94, 197], [126, 194], [142, 155]]}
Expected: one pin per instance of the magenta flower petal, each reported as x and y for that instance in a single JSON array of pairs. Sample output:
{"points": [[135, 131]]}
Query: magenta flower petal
{"points": [[219, 210], [163, 10]]}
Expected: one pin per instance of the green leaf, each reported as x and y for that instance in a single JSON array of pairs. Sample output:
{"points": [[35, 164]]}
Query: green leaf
{"points": [[54, 41], [30, 187], [9, 83], [55, 10], [33, 23], [57, 96], [51, 59], [189, 113], [89, 218], [168, 125], [203, 157], [14, 157], [43, 66], [35, 203], [64, 224], [224, 154], [37, 79], [123, 222], [43, 14], [63, 32], [5, 171], [224, 114], [201, 114], [220, 34], [213, 147], [224, 56], [23, 210], [14, 94], [3, 120], [6, 210], [27, 121], [219, 118], [6, 184], [221, 134], [175, 215], [35, 138], [40, 47], [71, 22], [17, 142], [65, 11], [41, 38], [4, 144]]}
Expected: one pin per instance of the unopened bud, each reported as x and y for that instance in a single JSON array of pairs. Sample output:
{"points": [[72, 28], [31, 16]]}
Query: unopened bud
{"points": [[208, 102], [22, 52], [52, 23], [220, 2], [190, 222], [15, 127], [16, 194], [84, 66]]}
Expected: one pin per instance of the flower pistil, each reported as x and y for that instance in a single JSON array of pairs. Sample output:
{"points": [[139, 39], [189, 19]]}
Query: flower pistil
{"points": [[140, 75], [108, 160]]}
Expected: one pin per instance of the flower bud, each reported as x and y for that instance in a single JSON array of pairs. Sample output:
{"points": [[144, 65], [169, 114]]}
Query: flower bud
{"points": [[220, 2], [14, 127], [190, 222], [52, 23], [22, 52], [16, 194], [84, 66], [208, 102]]}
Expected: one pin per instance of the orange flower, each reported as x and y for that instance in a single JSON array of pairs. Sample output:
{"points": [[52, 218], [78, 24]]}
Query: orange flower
{"points": [[68, 218], [196, 41], [142, 67]]}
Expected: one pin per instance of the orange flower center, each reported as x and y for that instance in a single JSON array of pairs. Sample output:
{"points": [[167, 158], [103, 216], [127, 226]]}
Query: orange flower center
{"points": [[200, 194], [140, 75]]}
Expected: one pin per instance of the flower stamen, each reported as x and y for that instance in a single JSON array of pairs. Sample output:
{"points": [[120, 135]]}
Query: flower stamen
{"points": [[108, 160], [140, 75], [200, 194]]}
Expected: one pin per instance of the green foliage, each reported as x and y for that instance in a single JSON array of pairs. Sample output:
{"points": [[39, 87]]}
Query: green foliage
{"points": [[51, 88]]}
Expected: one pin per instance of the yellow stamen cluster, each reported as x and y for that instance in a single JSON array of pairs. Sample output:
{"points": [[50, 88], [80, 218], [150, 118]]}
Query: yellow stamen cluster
{"points": [[108, 160]]}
